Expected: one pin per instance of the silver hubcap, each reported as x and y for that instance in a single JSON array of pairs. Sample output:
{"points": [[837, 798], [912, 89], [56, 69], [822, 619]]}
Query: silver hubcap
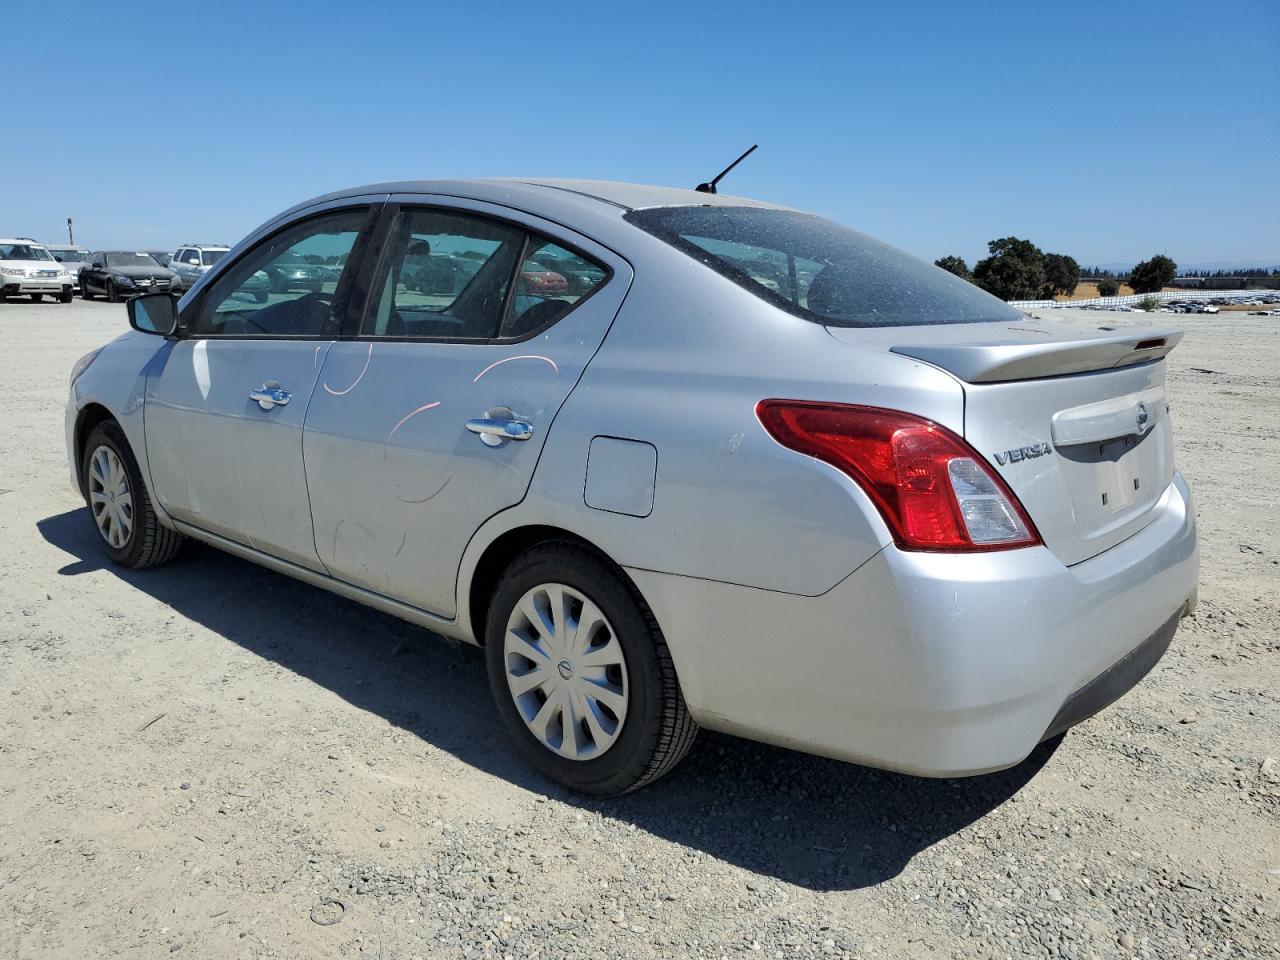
{"points": [[566, 671], [110, 498]]}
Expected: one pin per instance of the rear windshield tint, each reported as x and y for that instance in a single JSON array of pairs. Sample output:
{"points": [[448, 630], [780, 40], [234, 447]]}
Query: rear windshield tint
{"points": [[820, 270]]}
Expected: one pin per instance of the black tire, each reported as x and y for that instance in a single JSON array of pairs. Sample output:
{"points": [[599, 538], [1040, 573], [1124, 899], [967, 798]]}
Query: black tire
{"points": [[84, 290], [657, 731], [66, 296], [112, 295], [150, 543], [36, 297]]}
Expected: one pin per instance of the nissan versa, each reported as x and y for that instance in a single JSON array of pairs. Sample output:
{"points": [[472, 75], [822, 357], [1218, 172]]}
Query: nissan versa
{"points": [[737, 467]]}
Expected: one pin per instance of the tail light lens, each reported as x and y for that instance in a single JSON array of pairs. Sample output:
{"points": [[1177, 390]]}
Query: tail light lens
{"points": [[934, 491]]}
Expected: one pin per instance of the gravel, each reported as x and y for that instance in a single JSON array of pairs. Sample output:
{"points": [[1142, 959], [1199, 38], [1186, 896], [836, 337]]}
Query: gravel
{"points": [[212, 760]]}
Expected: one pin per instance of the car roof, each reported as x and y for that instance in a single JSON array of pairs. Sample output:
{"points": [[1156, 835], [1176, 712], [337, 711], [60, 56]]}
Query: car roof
{"points": [[542, 195], [20, 240]]}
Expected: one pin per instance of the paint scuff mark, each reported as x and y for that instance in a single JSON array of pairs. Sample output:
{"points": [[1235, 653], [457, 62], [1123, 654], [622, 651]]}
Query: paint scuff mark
{"points": [[526, 356], [367, 359], [406, 418], [431, 496]]}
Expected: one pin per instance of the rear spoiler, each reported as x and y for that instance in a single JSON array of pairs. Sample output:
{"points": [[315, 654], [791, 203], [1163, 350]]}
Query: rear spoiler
{"points": [[996, 362]]}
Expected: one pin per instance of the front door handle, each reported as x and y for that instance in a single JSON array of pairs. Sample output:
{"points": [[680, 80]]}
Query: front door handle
{"points": [[494, 432], [270, 395]]}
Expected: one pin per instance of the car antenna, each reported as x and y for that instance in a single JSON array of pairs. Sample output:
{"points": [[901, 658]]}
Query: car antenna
{"points": [[710, 186]]}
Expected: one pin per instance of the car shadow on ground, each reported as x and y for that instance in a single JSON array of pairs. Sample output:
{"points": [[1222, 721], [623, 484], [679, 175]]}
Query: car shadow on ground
{"points": [[805, 820]]}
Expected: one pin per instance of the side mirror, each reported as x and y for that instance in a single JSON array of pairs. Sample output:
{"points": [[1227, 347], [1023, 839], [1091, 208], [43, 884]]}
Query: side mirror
{"points": [[194, 262], [154, 313]]}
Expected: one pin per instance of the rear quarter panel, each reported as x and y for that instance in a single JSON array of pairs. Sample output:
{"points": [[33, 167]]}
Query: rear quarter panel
{"points": [[689, 356]]}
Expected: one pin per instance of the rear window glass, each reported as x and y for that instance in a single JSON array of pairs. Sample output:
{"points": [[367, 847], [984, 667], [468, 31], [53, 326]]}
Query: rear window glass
{"points": [[820, 270]]}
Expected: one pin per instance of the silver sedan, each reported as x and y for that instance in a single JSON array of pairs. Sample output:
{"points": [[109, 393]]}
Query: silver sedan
{"points": [[674, 460]]}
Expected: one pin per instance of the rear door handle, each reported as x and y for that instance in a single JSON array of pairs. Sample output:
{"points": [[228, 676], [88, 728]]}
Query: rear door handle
{"points": [[494, 432], [271, 395]]}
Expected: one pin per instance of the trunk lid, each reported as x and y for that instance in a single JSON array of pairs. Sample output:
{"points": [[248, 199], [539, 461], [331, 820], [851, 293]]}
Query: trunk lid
{"points": [[1072, 415]]}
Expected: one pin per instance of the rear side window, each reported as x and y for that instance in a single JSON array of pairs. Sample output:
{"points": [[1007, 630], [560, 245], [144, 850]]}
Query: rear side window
{"points": [[444, 276], [819, 270], [550, 281]]}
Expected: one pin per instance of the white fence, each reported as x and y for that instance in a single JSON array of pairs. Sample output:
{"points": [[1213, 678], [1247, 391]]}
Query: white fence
{"points": [[1132, 298]]}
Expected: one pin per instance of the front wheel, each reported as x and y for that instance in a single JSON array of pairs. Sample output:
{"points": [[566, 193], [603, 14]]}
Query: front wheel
{"points": [[112, 295], [581, 674], [119, 503], [65, 297]]}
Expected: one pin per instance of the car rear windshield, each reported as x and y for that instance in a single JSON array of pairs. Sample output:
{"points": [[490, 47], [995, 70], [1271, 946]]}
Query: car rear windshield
{"points": [[210, 257], [820, 270]]}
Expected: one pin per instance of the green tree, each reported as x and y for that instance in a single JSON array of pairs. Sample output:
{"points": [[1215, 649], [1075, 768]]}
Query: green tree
{"points": [[954, 265], [1061, 275], [1014, 271], [1108, 287], [1152, 275]]}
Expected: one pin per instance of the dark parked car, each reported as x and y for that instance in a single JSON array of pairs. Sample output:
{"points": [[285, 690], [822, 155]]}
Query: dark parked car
{"points": [[291, 272], [117, 274]]}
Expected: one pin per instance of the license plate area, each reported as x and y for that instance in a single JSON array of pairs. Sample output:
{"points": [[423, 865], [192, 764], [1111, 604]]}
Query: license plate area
{"points": [[1114, 481]]}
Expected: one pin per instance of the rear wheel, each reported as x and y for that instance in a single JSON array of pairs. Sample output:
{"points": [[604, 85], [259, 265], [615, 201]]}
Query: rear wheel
{"points": [[119, 503], [581, 673]]}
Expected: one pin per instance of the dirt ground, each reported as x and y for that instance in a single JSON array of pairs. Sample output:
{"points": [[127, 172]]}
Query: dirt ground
{"points": [[211, 760]]}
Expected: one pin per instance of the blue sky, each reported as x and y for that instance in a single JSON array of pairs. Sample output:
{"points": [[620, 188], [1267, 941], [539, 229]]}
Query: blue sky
{"points": [[1109, 131]]}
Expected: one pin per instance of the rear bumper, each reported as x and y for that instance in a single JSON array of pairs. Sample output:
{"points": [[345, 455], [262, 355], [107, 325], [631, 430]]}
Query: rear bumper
{"points": [[933, 664], [1114, 682]]}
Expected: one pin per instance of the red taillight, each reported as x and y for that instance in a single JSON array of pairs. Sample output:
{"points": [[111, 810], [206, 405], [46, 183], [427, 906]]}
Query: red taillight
{"points": [[934, 491]]}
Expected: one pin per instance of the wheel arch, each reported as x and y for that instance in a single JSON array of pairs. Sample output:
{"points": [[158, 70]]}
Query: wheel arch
{"points": [[498, 554], [90, 415]]}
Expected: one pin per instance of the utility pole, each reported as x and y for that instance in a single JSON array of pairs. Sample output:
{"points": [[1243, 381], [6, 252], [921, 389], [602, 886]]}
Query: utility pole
{"points": [[70, 236]]}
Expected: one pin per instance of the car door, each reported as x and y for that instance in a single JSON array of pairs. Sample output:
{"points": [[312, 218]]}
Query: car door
{"points": [[91, 275], [225, 409], [399, 481], [186, 269]]}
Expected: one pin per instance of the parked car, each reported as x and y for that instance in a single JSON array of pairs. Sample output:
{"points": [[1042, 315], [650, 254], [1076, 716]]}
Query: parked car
{"points": [[292, 272], [880, 518], [116, 274], [27, 268], [537, 280], [160, 256], [192, 261], [72, 259]]}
